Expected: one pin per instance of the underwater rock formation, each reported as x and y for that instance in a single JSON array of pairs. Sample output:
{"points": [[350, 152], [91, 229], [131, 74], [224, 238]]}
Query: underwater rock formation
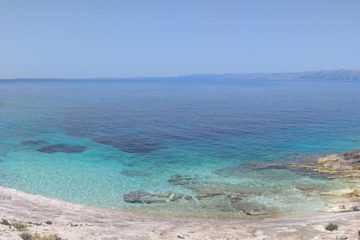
{"points": [[181, 180], [329, 167], [305, 169], [134, 173], [63, 148], [162, 197], [204, 189], [223, 197], [33, 142], [242, 199], [129, 145]]}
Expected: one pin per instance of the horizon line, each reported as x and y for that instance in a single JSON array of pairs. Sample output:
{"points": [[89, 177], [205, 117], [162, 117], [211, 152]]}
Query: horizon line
{"points": [[181, 75]]}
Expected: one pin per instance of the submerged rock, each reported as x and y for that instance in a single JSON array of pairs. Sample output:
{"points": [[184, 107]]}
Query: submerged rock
{"points": [[204, 193], [265, 166], [237, 170], [188, 198], [33, 142], [306, 169], [255, 212], [149, 198], [63, 148], [134, 173], [249, 208], [328, 167], [134, 197], [129, 145], [222, 197], [181, 179], [308, 188], [205, 189]]}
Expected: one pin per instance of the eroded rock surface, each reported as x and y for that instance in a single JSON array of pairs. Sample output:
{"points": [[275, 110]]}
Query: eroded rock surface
{"points": [[347, 164]]}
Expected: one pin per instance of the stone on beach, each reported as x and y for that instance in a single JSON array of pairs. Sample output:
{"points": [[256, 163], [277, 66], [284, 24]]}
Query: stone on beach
{"points": [[341, 237]]}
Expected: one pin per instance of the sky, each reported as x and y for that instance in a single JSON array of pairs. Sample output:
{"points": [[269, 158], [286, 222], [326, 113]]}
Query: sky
{"points": [[134, 38]]}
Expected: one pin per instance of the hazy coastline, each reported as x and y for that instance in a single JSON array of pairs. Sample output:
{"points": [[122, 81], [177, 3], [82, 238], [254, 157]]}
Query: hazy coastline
{"points": [[320, 75]]}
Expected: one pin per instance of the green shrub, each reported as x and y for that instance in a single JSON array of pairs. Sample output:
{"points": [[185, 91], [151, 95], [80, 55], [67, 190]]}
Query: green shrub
{"points": [[5, 222], [331, 227], [19, 226], [36, 236], [26, 236]]}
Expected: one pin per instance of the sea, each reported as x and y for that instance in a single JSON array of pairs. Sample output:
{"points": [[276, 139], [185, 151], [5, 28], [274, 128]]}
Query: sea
{"points": [[93, 141]]}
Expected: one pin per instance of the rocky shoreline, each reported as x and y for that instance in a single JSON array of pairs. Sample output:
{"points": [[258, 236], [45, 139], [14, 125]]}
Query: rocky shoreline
{"points": [[236, 199], [56, 220]]}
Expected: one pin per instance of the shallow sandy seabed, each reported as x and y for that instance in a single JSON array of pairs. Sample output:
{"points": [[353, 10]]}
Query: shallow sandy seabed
{"points": [[73, 221]]}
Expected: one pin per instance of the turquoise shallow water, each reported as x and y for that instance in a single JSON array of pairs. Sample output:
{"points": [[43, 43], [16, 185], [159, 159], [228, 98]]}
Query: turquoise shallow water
{"points": [[134, 136]]}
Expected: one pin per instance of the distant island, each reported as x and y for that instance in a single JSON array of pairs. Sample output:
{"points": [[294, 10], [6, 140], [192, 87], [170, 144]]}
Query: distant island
{"points": [[331, 75], [311, 75]]}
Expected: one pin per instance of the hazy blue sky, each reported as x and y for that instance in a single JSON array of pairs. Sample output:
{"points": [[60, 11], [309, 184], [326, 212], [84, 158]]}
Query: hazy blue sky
{"points": [[156, 38]]}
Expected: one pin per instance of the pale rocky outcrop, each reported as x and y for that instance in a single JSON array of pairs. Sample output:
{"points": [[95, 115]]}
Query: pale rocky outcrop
{"points": [[347, 164]]}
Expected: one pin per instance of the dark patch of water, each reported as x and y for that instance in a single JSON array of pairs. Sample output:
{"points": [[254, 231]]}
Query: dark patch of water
{"points": [[33, 142], [132, 145], [134, 173], [62, 148]]}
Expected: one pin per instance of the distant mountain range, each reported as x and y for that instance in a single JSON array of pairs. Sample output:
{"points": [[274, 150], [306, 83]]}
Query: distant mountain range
{"points": [[314, 75]]}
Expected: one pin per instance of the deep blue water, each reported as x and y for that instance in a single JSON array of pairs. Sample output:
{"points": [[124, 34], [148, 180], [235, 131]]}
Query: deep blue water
{"points": [[96, 140]]}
